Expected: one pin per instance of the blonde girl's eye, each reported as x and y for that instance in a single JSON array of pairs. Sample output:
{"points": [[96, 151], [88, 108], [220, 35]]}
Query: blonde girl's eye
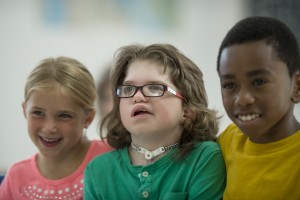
{"points": [[38, 113], [64, 116]]}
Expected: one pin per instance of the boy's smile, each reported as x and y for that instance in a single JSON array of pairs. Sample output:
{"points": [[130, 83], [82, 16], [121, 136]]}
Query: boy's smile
{"points": [[257, 90]]}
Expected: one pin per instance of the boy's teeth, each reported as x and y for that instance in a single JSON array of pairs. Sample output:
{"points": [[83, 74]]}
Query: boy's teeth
{"points": [[248, 117]]}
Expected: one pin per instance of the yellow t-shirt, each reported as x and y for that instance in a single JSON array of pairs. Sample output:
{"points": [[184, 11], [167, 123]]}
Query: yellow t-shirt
{"points": [[260, 171]]}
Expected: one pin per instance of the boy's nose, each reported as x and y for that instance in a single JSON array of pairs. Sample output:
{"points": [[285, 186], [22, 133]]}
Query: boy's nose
{"points": [[244, 98]]}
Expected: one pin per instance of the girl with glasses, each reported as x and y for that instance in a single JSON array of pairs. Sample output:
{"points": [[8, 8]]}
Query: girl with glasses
{"points": [[162, 129]]}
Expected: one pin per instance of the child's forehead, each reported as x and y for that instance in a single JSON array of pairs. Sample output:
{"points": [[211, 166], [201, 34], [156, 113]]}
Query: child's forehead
{"points": [[147, 72], [250, 52], [49, 91], [147, 67], [249, 58]]}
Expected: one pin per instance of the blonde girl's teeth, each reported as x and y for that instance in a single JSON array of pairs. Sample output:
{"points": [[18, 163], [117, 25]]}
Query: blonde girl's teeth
{"points": [[50, 140]]}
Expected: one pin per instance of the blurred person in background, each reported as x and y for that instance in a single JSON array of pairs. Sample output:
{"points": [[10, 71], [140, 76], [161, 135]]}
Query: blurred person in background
{"points": [[105, 93]]}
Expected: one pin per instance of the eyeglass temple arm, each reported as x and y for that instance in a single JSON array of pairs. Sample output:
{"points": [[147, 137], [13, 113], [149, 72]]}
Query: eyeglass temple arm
{"points": [[175, 93]]}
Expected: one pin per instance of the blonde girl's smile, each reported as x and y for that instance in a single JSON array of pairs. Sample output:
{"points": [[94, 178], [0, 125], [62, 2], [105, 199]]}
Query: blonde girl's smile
{"points": [[54, 126]]}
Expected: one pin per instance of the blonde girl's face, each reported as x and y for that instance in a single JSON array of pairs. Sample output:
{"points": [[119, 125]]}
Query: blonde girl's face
{"points": [[156, 119], [55, 123]]}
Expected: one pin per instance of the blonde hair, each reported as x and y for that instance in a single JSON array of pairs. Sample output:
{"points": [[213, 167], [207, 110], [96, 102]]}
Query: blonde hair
{"points": [[187, 78], [67, 74]]}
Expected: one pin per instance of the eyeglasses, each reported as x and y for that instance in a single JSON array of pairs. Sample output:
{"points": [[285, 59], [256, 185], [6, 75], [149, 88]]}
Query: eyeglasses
{"points": [[148, 90]]}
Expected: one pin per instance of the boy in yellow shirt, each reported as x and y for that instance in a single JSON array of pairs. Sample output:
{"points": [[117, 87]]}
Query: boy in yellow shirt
{"points": [[258, 65]]}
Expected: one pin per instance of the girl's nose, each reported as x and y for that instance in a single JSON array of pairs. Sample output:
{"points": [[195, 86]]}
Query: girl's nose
{"points": [[50, 126], [138, 97]]}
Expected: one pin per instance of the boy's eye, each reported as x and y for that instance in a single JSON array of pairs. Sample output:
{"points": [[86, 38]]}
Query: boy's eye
{"points": [[259, 82], [228, 85]]}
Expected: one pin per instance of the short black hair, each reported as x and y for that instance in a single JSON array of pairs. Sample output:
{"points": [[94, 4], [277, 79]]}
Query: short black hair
{"points": [[273, 31]]}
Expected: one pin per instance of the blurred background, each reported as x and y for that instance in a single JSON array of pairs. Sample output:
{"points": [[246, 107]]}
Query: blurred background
{"points": [[91, 31]]}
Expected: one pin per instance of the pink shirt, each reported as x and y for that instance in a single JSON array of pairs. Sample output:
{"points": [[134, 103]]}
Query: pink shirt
{"points": [[24, 181]]}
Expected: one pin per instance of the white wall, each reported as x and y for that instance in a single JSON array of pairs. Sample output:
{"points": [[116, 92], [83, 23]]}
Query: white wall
{"points": [[92, 38]]}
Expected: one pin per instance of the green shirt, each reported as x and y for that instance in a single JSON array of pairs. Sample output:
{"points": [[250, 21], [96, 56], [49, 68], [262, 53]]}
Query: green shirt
{"points": [[199, 175]]}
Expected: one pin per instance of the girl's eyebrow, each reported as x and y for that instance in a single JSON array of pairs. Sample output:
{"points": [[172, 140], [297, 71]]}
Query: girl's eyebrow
{"points": [[36, 108], [147, 82], [58, 111]]}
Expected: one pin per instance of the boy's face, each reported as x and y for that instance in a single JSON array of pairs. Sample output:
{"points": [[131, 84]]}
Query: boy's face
{"points": [[257, 91], [155, 120]]}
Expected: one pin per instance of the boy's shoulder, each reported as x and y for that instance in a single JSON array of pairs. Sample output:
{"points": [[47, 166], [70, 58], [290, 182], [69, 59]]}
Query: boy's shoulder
{"points": [[231, 134], [230, 131]]}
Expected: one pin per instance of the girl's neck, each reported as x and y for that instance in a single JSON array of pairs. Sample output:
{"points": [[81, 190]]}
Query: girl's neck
{"points": [[62, 166], [142, 156]]}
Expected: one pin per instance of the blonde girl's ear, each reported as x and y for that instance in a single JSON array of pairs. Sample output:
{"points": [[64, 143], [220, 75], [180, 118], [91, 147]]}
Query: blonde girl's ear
{"points": [[89, 118], [296, 91], [24, 109]]}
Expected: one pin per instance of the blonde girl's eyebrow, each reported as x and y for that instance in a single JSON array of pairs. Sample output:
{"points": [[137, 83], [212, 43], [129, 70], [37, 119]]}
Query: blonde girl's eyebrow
{"points": [[36, 108]]}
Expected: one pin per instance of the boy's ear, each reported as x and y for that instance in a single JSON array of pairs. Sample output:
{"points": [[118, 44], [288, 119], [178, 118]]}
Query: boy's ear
{"points": [[296, 91]]}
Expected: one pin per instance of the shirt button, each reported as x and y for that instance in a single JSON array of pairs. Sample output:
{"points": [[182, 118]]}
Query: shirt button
{"points": [[145, 174], [145, 194]]}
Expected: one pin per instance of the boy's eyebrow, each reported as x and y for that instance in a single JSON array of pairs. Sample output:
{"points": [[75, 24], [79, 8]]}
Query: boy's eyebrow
{"points": [[258, 72], [227, 76], [250, 74]]}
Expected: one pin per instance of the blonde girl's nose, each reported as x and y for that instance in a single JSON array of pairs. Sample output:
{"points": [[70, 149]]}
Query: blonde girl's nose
{"points": [[50, 126]]}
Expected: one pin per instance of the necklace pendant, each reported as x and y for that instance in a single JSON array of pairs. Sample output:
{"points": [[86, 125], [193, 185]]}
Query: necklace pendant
{"points": [[148, 155]]}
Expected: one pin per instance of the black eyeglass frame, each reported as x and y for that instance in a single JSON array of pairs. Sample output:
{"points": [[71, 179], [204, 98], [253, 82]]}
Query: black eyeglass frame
{"points": [[166, 88]]}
